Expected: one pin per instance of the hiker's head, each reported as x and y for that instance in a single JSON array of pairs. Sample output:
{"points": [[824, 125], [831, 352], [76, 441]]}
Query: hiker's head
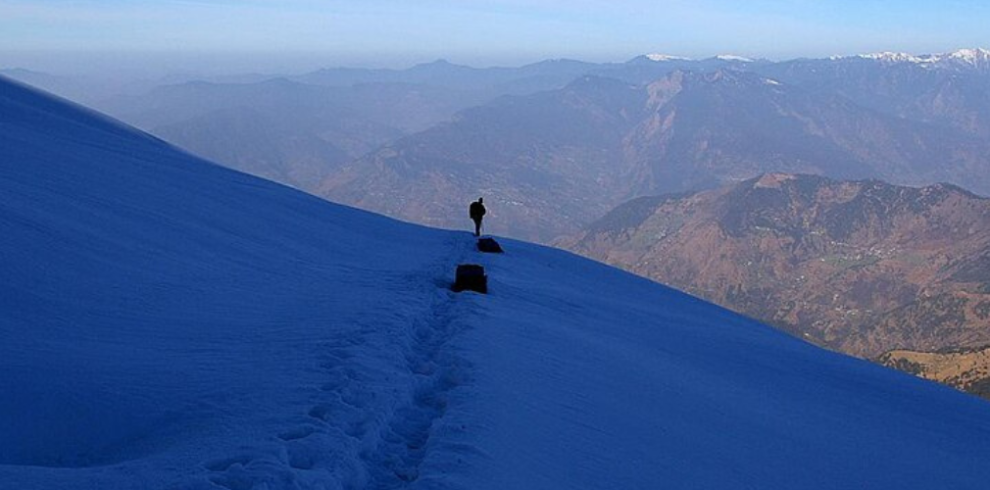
{"points": [[481, 199]]}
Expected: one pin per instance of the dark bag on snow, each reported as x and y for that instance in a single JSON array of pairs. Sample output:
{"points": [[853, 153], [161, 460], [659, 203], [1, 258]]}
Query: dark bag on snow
{"points": [[471, 277], [489, 246]]}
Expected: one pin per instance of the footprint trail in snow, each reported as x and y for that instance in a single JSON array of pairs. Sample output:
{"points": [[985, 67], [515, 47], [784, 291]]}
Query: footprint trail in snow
{"points": [[372, 427]]}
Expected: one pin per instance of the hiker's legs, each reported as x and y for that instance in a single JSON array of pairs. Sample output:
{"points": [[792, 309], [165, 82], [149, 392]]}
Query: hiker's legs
{"points": [[477, 227]]}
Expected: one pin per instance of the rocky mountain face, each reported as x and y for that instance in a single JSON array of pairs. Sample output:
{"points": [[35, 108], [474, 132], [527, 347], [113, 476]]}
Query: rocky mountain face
{"points": [[554, 161], [965, 369], [863, 267]]}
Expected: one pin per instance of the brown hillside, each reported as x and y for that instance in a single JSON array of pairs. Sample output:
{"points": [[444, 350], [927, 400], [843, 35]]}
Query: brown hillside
{"points": [[863, 267]]}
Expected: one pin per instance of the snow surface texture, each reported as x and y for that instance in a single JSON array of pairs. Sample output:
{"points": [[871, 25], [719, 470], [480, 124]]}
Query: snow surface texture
{"points": [[168, 323]]}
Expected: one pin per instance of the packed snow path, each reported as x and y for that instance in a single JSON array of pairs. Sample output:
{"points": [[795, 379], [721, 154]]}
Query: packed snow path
{"points": [[378, 436], [170, 324]]}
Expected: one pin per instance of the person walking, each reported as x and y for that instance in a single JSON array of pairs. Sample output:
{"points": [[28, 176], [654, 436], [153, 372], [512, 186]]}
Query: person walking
{"points": [[477, 212]]}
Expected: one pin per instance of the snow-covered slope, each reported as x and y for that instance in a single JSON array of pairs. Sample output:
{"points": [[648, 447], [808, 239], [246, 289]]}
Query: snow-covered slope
{"points": [[168, 323]]}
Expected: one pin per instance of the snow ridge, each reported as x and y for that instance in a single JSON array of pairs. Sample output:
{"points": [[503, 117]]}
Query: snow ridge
{"points": [[892, 57], [732, 57], [665, 57], [964, 57]]}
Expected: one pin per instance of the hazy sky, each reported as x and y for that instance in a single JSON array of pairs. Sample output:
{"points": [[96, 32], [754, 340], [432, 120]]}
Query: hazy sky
{"points": [[484, 32]]}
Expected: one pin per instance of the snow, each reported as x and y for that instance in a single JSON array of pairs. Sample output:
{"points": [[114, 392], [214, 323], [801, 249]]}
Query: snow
{"points": [[721, 57], [168, 323], [892, 57], [665, 57], [732, 57], [964, 57], [974, 57]]}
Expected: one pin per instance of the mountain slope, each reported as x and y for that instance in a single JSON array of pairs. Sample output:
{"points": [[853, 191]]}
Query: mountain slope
{"points": [[169, 323], [966, 369], [860, 266]]}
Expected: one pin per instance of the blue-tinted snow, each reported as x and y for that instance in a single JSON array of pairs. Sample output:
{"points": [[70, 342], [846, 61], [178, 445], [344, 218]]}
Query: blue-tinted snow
{"points": [[167, 323]]}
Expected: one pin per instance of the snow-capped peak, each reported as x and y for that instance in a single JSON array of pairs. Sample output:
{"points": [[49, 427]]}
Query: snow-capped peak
{"points": [[971, 57], [665, 57], [893, 57], [732, 57]]}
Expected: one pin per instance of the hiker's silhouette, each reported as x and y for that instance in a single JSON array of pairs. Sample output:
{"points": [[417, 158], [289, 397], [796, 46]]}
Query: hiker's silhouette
{"points": [[477, 213]]}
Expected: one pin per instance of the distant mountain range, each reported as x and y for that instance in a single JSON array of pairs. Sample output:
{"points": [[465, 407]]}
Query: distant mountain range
{"points": [[548, 162], [284, 130], [555, 160], [556, 144], [299, 129]]}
